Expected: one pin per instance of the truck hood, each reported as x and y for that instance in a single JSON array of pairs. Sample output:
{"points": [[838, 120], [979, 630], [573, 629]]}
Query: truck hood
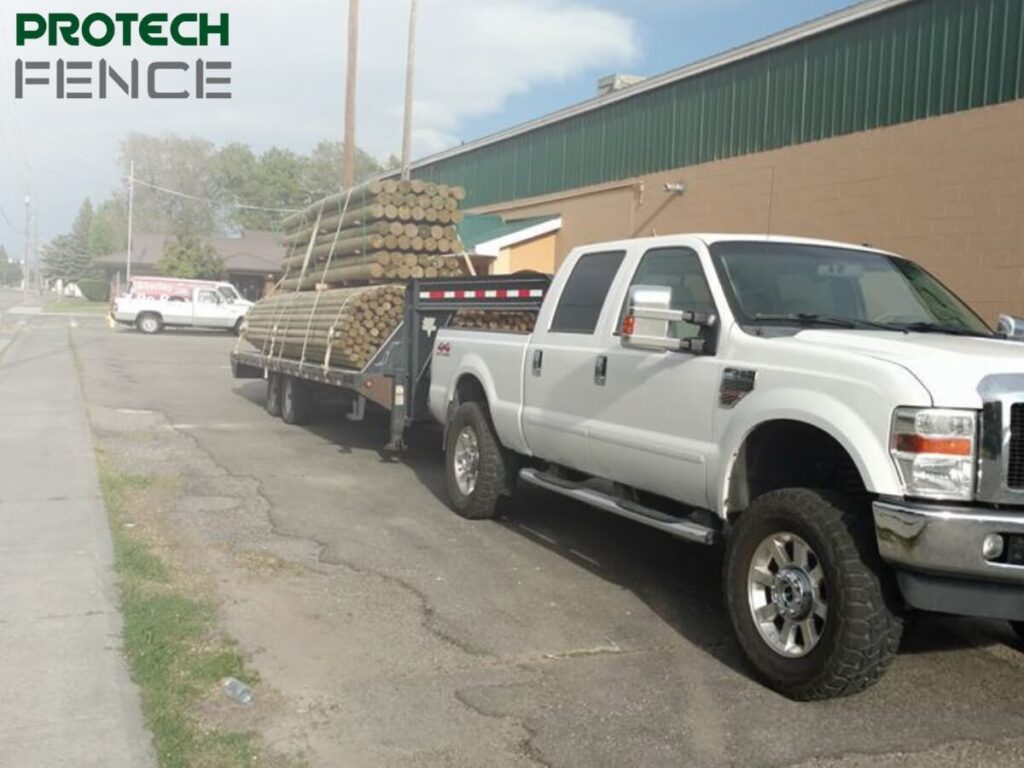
{"points": [[949, 367]]}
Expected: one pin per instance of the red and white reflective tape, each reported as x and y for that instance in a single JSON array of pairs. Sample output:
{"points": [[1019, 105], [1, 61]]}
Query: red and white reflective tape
{"points": [[499, 293]]}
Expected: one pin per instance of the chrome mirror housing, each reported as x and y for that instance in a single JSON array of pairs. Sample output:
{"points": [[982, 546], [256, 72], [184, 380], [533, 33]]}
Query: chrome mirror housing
{"points": [[1011, 327], [648, 318]]}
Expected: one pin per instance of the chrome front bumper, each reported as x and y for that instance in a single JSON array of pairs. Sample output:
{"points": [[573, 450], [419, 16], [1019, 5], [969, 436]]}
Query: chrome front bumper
{"points": [[945, 541]]}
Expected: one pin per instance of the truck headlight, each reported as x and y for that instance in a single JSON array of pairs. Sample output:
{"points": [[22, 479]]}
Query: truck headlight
{"points": [[934, 452]]}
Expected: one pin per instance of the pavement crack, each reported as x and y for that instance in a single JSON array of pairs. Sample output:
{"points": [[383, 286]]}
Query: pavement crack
{"points": [[526, 746]]}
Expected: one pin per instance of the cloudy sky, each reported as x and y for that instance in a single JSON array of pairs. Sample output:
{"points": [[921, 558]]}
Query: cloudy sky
{"points": [[482, 65]]}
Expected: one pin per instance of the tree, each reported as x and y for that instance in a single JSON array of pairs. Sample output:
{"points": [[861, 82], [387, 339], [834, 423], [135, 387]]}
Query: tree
{"points": [[67, 257], [10, 271], [178, 164], [109, 228], [190, 257]]}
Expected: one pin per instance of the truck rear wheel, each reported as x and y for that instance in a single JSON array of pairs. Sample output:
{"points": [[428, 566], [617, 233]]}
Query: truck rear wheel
{"points": [[274, 394], [296, 401], [149, 323], [477, 469], [810, 600]]}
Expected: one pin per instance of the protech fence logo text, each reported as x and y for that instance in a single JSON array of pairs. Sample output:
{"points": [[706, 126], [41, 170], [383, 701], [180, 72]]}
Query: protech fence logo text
{"points": [[88, 79]]}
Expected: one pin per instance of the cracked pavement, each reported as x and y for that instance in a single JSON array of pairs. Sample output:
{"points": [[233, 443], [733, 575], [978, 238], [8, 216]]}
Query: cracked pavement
{"points": [[394, 633]]}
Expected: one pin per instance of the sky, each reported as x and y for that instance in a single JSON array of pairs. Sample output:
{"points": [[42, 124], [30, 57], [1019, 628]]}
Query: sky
{"points": [[482, 66]]}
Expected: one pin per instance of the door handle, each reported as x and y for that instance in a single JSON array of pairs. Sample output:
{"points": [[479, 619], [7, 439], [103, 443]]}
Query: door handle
{"points": [[538, 361], [600, 370]]}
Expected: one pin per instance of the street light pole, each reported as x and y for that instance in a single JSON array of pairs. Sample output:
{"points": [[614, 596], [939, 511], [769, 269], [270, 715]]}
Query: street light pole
{"points": [[410, 67], [131, 206], [24, 258], [349, 160]]}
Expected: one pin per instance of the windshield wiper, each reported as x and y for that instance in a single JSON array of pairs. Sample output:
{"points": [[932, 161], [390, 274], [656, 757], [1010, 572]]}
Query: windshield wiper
{"points": [[811, 319], [922, 326]]}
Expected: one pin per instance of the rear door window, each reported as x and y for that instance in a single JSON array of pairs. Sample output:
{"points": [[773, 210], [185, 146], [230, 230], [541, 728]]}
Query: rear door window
{"points": [[585, 291]]}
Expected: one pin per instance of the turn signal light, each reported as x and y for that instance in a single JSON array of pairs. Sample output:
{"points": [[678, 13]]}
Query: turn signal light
{"points": [[628, 325], [946, 446]]}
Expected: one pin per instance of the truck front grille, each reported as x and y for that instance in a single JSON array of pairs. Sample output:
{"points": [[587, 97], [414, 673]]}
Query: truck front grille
{"points": [[1015, 464]]}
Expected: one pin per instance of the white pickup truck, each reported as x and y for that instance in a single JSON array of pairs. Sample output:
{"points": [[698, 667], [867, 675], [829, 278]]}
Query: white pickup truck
{"points": [[851, 429], [153, 303]]}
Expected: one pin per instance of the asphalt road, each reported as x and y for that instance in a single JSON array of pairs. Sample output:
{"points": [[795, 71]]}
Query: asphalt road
{"points": [[396, 633]]}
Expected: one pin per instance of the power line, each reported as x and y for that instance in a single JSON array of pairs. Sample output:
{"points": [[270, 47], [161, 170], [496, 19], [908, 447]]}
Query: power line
{"points": [[178, 193]]}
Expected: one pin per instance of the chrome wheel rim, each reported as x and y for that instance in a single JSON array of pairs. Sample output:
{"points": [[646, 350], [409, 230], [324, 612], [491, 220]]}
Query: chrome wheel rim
{"points": [[787, 594], [466, 461], [148, 324]]}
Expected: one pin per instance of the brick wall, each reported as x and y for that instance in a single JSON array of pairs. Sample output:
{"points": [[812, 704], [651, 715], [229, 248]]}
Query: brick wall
{"points": [[947, 192]]}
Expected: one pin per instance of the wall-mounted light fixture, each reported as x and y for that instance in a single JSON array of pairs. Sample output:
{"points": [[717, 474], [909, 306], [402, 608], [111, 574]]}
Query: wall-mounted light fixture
{"points": [[676, 188]]}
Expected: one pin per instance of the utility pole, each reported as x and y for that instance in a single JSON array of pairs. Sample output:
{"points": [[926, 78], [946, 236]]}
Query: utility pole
{"points": [[38, 250], [349, 170], [410, 67], [131, 206], [24, 258]]}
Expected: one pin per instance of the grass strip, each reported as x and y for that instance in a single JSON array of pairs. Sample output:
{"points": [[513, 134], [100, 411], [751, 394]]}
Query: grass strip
{"points": [[174, 652]]}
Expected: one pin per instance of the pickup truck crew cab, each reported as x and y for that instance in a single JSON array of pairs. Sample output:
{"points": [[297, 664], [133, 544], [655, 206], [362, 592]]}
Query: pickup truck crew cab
{"points": [[153, 303], [850, 428]]}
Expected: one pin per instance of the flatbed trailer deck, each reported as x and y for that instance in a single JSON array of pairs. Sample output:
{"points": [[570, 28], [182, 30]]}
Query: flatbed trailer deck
{"points": [[397, 378]]}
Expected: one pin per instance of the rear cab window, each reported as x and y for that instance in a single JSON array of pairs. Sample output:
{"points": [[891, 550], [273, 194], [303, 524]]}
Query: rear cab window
{"points": [[583, 297]]}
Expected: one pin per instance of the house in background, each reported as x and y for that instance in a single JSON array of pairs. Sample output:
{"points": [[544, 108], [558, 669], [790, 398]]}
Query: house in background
{"points": [[252, 261], [499, 246]]}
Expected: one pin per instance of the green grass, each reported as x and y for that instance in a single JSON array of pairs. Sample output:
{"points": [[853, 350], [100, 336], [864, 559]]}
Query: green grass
{"points": [[75, 306], [174, 652]]}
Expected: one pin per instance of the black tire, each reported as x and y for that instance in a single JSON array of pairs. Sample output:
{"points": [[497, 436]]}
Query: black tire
{"points": [[1018, 627], [273, 403], [149, 323], [495, 469], [296, 401], [860, 633], [237, 328]]}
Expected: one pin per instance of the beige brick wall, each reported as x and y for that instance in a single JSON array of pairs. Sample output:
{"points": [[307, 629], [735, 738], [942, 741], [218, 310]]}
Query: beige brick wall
{"points": [[947, 192]]}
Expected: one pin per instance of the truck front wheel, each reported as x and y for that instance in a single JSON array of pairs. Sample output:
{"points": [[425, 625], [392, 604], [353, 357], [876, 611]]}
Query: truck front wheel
{"points": [[812, 603], [477, 468]]}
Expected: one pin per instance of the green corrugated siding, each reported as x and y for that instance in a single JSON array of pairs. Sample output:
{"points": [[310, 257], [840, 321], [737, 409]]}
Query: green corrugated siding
{"points": [[928, 58]]}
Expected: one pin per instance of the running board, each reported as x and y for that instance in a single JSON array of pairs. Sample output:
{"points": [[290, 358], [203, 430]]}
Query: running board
{"points": [[683, 529]]}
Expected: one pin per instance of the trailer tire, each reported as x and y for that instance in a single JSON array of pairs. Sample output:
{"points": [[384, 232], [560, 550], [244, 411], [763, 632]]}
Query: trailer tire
{"points": [[149, 323], [274, 381], [1018, 627], [478, 469], [296, 400], [828, 618]]}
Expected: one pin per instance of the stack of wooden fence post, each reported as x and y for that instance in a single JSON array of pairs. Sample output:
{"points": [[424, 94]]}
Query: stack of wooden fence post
{"points": [[348, 255], [341, 327], [380, 231]]}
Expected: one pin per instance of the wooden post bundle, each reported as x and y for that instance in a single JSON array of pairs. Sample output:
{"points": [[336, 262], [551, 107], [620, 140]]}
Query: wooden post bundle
{"points": [[343, 327]]}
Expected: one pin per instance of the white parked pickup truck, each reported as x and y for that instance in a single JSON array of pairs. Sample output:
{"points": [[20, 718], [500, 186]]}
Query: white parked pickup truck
{"points": [[152, 303], [851, 429]]}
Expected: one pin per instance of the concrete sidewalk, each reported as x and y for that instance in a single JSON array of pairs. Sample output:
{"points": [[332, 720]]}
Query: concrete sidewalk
{"points": [[67, 696]]}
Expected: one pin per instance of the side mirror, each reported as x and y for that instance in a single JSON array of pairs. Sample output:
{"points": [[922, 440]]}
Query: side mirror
{"points": [[1011, 327], [648, 318]]}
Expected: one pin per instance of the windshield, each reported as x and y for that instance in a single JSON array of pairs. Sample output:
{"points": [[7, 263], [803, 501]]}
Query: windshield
{"points": [[804, 284], [228, 292]]}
